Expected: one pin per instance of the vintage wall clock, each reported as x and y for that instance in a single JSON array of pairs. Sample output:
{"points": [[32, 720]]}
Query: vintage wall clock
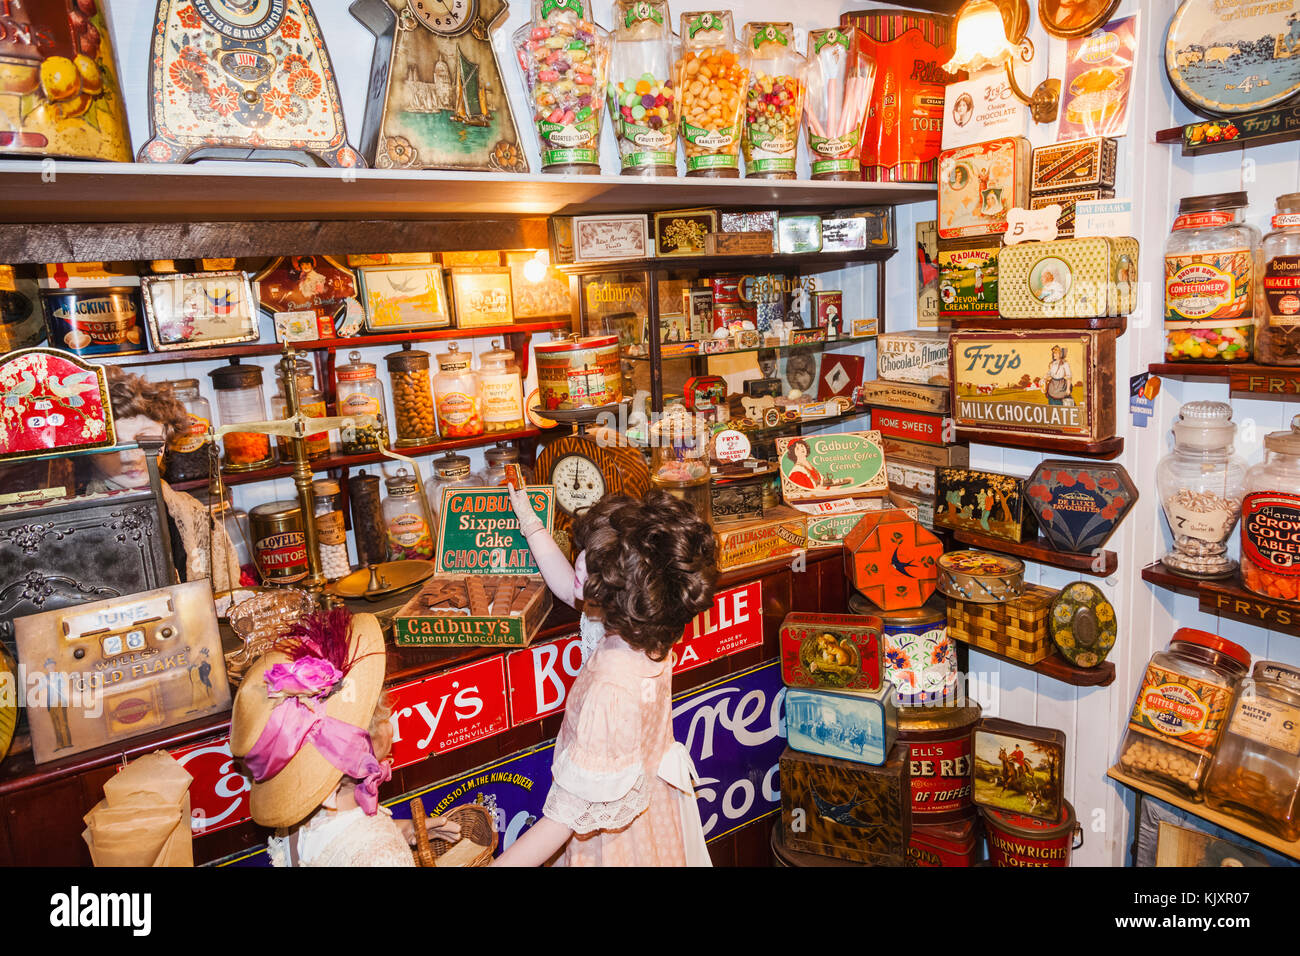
{"points": [[243, 79], [583, 470], [437, 99]]}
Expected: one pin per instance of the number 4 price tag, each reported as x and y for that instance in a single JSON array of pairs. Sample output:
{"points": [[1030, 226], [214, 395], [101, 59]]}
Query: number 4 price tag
{"points": [[1031, 225]]}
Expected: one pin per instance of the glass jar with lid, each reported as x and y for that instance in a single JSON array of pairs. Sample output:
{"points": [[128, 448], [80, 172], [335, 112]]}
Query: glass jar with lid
{"points": [[1256, 771], [498, 456], [455, 394], [1182, 704], [331, 534], [187, 450], [239, 399], [404, 518], [1201, 483], [773, 101], [450, 471], [500, 390], [1211, 287], [360, 393], [413, 417], [311, 402], [367, 519], [641, 91], [1270, 518], [1279, 334], [679, 461]]}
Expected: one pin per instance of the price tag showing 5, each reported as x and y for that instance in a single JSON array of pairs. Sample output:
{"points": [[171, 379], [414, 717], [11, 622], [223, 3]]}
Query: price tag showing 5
{"points": [[1031, 225]]}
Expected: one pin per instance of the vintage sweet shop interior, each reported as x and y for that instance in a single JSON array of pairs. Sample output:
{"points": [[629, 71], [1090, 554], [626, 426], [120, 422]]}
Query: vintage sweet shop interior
{"points": [[607, 432]]}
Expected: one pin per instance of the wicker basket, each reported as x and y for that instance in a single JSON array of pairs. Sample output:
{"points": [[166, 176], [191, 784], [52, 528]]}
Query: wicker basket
{"points": [[1016, 628], [476, 825]]}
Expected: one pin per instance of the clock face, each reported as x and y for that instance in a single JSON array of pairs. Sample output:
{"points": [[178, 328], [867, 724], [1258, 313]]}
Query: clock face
{"points": [[242, 19], [578, 483], [447, 17]]}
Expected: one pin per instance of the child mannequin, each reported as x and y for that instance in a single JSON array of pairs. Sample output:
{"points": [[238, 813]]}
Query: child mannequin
{"points": [[622, 792]]}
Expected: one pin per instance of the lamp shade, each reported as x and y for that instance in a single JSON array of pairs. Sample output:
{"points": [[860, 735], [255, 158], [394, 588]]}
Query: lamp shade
{"points": [[981, 38]]}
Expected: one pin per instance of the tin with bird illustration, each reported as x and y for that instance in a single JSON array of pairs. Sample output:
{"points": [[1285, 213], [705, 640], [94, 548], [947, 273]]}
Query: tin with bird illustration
{"points": [[831, 651], [892, 560]]}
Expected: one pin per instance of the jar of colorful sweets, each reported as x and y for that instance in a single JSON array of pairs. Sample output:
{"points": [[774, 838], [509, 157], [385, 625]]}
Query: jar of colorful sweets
{"points": [[712, 77], [239, 399], [456, 395], [773, 100], [361, 394], [1270, 518], [1279, 335], [642, 96]]}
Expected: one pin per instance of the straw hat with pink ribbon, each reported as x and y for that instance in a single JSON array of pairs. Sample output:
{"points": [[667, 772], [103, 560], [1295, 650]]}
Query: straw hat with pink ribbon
{"points": [[302, 716]]}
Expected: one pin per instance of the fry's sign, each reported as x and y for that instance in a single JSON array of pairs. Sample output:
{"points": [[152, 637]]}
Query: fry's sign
{"points": [[540, 677]]}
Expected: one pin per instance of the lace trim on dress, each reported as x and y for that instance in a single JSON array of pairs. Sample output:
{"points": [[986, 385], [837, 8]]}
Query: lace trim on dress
{"points": [[349, 838], [593, 785], [584, 816]]}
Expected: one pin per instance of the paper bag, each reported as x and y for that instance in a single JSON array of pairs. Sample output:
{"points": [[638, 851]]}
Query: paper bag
{"points": [[144, 818]]}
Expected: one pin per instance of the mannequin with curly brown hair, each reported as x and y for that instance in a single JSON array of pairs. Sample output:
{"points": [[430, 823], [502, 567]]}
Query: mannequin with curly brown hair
{"points": [[622, 792]]}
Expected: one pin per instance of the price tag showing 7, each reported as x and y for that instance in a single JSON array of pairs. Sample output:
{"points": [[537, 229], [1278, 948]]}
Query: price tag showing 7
{"points": [[1029, 225]]}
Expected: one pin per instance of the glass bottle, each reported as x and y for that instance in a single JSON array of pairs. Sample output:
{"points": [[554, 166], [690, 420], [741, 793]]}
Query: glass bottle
{"points": [[497, 457], [361, 393], [1211, 293], [1201, 483], [642, 98], [311, 402], [187, 449], [456, 396], [1270, 518], [1182, 703], [239, 399], [1256, 771], [500, 390], [367, 519], [450, 471], [404, 519], [712, 75], [773, 101], [1279, 337], [331, 535], [413, 417]]}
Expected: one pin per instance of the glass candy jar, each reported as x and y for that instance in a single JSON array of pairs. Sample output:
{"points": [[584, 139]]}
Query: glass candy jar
{"points": [[1210, 281], [311, 402], [187, 449], [500, 390], [367, 519], [1201, 483], [239, 399], [331, 534], [1270, 518], [456, 395], [642, 97], [679, 461], [773, 101], [361, 393], [450, 471], [1182, 703], [404, 518], [712, 76], [1256, 771], [498, 456], [1278, 337], [413, 415]]}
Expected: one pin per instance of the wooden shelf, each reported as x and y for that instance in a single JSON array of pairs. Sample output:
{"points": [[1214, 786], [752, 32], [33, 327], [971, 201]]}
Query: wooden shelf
{"points": [[355, 461], [1276, 381], [1042, 553], [1117, 322], [1107, 449], [769, 262], [356, 342], [1229, 598], [766, 347], [1262, 128], [1057, 667], [1233, 824]]}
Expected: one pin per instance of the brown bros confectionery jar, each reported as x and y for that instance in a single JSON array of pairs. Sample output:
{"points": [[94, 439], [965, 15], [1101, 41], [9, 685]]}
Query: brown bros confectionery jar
{"points": [[1181, 708], [1270, 518]]}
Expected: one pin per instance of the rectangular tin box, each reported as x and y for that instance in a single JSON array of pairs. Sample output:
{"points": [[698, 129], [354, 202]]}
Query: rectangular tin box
{"points": [[917, 357], [1067, 200], [1068, 278], [1082, 164], [1019, 768], [849, 811], [968, 279], [919, 398], [911, 479], [879, 224], [909, 426], [682, 232], [831, 466], [780, 532], [934, 455], [1004, 381], [1016, 628], [984, 502], [837, 652], [860, 728], [921, 507], [979, 184]]}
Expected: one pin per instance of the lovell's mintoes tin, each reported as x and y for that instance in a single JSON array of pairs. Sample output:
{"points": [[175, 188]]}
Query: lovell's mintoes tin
{"points": [[831, 651], [938, 740], [920, 659], [857, 727], [1018, 840], [1068, 278], [279, 541]]}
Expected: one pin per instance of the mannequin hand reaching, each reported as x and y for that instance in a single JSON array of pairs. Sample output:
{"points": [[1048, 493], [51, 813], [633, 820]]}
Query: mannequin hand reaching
{"points": [[439, 828], [523, 508]]}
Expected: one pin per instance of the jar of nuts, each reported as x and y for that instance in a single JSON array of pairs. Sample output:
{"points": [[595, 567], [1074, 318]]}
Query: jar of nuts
{"points": [[1270, 518], [413, 414], [1181, 708], [712, 77]]}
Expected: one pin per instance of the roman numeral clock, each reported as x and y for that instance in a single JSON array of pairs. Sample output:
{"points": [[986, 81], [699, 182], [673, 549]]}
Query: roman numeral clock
{"points": [[243, 79], [437, 99]]}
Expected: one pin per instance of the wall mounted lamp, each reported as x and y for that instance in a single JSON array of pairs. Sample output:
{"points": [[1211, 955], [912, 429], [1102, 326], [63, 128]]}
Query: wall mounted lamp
{"points": [[991, 33]]}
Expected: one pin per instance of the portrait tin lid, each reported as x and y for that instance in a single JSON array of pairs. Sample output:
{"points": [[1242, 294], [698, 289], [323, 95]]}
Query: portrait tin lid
{"points": [[1079, 504]]}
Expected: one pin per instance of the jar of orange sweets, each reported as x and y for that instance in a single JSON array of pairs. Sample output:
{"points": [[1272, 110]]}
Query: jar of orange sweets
{"points": [[1270, 518], [712, 77]]}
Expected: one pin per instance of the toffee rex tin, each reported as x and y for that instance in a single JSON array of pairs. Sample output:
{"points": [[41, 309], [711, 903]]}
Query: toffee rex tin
{"points": [[939, 754]]}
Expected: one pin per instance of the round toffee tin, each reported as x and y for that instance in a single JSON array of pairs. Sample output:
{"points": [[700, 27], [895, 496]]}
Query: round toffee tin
{"points": [[279, 541], [95, 320], [939, 757], [980, 576], [1018, 840], [919, 657]]}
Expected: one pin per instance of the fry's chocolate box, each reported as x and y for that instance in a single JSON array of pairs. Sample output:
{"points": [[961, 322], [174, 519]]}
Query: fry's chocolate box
{"points": [[919, 357]]}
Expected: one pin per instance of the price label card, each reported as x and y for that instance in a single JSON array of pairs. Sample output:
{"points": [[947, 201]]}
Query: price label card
{"points": [[1032, 225], [731, 446], [1103, 217]]}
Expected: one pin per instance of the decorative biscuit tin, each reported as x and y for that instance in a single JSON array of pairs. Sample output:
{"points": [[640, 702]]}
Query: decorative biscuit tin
{"points": [[831, 651], [1019, 768], [95, 320], [799, 234], [911, 479], [892, 560], [1016, 839], [920, 660], [921, 398], [1067, 201], [938, 740], [1083, 624], [736, 500], [1068, 278], [918, 357], [1050, 384], [984, 502], [957, 844], [936, 456], [1016, 628], [1080, 164], [52, 401], [840, 465], [681, 232], [857, 727], [911, 426], [968, 279], [846, 810], [844, 235], [980, 576], [1079, 504], [781, 532], [919, 507], [979, 184]]}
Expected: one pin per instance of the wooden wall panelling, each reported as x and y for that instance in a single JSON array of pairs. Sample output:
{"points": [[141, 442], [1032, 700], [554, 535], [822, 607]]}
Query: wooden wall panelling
{"points": [[45, 825]]}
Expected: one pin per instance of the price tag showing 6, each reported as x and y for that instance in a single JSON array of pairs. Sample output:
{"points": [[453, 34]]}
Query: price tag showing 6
{"points": [[1030, 225]]}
